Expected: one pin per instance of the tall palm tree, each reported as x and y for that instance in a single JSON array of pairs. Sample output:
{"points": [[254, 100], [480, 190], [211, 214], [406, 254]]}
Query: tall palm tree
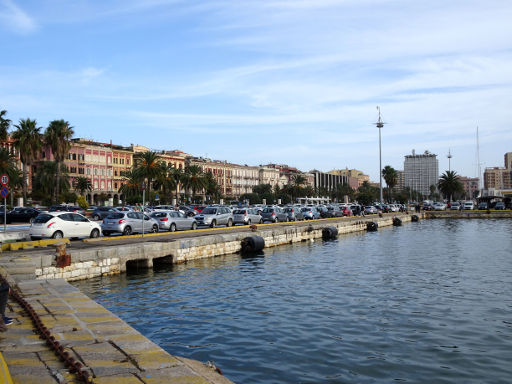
{"points": [[298, 181], [450, 185], [57, 137], [211, 186], [28, 142], [177, 175], [390, 175], [194, 178], [165, 181], [44, 180], [82, 184], [147, 165], [4, 125]]}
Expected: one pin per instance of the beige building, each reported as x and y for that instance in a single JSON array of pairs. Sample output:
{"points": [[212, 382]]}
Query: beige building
{"points": [[470, 186], [269, 176], [244, 179], [351, 173], [222, 171]]}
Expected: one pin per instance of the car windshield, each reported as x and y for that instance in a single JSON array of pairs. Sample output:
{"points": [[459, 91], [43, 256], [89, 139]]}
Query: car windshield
{"points": [[158, 214], [42, 218], [239, 212], [209, 211], [288, 209], [115, 216], [268, 210]]}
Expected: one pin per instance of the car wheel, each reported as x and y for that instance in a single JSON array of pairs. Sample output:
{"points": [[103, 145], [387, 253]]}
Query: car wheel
{"points": [[249, 222], [33, 238], [261, 221], [95, 217], [31, 220], [213, 224], [276, 220], [106, 233], [154, 229], [95, 233], [230, 223], [127, 231], [194, 226], [287, 219], [172, 228], [57, 235]]}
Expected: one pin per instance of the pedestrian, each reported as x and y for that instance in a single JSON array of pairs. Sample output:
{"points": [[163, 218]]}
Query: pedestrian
{"points": [[4, 296]]}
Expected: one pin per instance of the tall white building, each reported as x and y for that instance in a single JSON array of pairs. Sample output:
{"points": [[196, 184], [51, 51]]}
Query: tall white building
{"points": [[421, 171]]}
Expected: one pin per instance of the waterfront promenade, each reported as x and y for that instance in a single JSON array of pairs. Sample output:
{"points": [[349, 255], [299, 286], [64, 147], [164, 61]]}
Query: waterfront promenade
{"points": [[106, 348]]}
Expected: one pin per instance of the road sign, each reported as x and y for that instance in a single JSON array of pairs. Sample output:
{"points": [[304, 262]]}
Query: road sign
{"points": [[4, 192], [4, 179]]}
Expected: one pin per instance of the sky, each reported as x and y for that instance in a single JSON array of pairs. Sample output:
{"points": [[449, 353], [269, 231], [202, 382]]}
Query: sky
{"points": [[268, 81]]}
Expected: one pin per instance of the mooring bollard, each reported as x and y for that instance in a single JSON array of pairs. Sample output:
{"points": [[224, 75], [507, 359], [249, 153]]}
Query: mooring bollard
{"points": [[252, 244], [329, 233], [63, 259], [372, 226]]}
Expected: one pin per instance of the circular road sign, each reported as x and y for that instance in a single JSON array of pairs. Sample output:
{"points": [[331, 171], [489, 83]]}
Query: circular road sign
{"points": [[4, 179]]}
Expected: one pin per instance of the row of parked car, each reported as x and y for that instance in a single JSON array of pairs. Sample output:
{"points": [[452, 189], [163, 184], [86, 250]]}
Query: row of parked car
{"points": [[465, 205]]}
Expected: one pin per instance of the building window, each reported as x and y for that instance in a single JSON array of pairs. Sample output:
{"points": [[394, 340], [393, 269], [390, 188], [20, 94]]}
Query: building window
{"points": [[127, 161], [81, 171], [102, 185], [43, 155], [115, 186], [88, 171], [95, 172]]}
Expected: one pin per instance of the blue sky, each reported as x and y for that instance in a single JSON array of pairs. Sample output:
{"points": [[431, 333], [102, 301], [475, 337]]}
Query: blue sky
{"points": [[254, 82]]}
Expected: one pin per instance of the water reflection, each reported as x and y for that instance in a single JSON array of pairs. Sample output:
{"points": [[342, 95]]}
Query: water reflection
{"points": [[425, 300]]}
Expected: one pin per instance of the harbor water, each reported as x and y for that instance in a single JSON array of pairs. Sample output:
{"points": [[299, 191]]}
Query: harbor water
{"points": [[425, 302]]}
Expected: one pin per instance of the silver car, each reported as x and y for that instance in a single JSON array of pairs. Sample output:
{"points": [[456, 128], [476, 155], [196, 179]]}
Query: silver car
{"points": [[294, 213], [128, 223], [274, 214], [213, 216], [173, 220], [246, 216], [310, 213]]}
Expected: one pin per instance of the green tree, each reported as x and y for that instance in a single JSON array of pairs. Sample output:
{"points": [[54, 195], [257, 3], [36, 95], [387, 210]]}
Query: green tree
{"points": [[8, 164], [211, 187], [177, 175], [147, 165], [390, 176], [131, 189], [450, 185], [194, 179], [4, 126], [343, 190], [366, 193], [44, 181], [28, 142], [57, 137], [82, 184]]}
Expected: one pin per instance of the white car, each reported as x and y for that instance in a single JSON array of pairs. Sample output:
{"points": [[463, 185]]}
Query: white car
{"points": [[468, 205], [439, 206], [63, 224]]}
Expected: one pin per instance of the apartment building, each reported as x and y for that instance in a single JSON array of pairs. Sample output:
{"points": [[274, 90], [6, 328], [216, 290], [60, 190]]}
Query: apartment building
{"points": [[421, 171]]}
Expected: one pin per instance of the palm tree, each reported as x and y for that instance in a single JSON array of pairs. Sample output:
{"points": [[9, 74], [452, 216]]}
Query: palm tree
{"points": [[82, 184], [298, 181], [132, 187], [165, 180], [194, 178], [147, 165], [390, 175], [211, 186], [4, 125], [7, 163], [178, 176], [57, 137], [449, 184], [28, 143]]}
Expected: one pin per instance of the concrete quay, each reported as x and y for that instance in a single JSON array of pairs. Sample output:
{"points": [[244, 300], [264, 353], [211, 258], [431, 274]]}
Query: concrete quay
{"points": [[478, 214], [107, 348]]}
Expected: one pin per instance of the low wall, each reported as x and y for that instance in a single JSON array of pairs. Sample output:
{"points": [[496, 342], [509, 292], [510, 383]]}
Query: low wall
{"points": [[104, 259], [491, 214]]}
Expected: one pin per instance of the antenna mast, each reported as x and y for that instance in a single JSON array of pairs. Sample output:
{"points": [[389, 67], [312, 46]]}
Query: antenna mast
{"points": [[380, 125], [449, 156], [478, 161]]}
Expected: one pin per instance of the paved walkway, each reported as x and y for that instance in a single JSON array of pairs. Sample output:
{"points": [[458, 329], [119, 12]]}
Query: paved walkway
{"points": [[109, 349]]}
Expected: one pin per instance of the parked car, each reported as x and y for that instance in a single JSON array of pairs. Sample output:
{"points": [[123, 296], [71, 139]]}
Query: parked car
{"points": [[294, 213], [128, 223], [67, 208], [274, 214], [438, 206], [21, 215], [455, 206], [213, 216], [246, 216], [310, 213], [468, 205], [500, 205], [347, 211], [370, 210], [101, 212], [356, 209], [63, 224], [483, 205], [173, 220]]}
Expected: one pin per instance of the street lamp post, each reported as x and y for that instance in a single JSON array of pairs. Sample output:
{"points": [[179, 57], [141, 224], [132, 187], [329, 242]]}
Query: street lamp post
{"points": [[449, 156], [380, 125]]}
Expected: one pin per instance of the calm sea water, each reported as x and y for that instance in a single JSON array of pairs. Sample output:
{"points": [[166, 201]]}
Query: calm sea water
{"points": [[429, 302]]}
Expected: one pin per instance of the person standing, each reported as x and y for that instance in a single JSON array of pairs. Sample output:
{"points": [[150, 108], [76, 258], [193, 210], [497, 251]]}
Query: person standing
{"points": [[4, 296]]}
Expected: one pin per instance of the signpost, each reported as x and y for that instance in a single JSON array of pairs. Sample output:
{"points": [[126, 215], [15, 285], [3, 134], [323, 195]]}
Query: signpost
{"points": [[4, 180], [143, 202]]}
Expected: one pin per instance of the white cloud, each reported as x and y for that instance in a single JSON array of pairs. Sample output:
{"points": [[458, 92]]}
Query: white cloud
{"points": [[15, 19]]}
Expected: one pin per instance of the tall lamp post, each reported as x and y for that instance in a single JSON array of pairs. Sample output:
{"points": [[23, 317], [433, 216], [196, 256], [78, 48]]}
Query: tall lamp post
{"points": [[449, 156], [380, 125]]}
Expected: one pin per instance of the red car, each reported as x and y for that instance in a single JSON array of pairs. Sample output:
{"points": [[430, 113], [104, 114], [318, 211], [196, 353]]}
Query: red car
{"points": [[346, 211]]}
